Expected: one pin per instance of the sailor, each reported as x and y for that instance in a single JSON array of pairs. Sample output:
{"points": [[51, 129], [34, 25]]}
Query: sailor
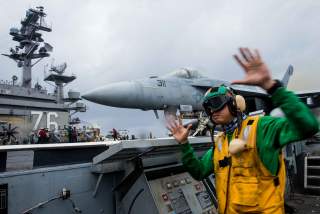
{"points": [[246, 156], [42, 136], [115, 134]]}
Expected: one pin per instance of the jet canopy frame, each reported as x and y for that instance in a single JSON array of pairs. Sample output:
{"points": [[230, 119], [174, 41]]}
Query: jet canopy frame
{"points": [[186, 74]]}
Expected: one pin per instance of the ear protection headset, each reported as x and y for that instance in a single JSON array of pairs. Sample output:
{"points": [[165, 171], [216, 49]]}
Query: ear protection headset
{"points": [[237, 104]]}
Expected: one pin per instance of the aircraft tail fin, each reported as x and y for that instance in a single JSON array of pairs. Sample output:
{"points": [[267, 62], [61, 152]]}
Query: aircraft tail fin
{"points": [[286, 76]]}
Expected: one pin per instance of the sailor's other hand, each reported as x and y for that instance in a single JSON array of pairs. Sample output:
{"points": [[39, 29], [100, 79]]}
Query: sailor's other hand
{"points": [[257, 72], [179, 132]]}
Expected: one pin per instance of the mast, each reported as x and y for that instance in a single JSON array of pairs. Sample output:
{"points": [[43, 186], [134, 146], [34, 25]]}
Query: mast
{"points": [[30, 40]]}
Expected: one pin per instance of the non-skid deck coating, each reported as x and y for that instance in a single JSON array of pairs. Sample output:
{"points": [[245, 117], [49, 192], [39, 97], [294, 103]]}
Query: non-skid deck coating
{"points": [[304, 204]]}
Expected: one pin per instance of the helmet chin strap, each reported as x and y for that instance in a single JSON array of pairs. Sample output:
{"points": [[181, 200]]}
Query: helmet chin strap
{"points": [[212, 135], [239, 118]]}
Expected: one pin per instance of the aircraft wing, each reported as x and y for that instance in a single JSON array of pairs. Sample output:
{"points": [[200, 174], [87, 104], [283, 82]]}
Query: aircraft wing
{"points": [[246, 90], [207, 83], [311, 98], [242, 89], [308, 93], [249, 89]]}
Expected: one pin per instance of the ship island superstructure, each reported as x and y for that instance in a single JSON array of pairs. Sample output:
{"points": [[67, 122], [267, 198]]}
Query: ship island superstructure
{"points": [[26, 108]]}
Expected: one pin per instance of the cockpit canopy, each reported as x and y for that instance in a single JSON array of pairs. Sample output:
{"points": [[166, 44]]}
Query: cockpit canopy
{"points": [[186, 73]]}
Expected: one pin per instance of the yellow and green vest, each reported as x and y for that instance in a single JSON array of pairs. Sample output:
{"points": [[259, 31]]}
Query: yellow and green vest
{"points": [[243, 184]]}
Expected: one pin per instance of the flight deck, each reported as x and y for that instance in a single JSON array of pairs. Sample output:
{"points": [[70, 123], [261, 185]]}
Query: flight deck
{"points": [[103, 177]]}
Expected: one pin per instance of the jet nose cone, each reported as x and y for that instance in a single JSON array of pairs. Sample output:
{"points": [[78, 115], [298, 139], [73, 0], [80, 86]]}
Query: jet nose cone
{"points": [[122, 94], [89, 96]]}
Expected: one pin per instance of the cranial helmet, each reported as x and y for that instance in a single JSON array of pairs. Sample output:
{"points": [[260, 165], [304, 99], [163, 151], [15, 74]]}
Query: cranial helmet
{"points": [[215, 100]]}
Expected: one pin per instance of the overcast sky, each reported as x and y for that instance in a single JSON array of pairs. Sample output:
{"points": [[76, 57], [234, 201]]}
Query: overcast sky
{"points": [[105, 41]]}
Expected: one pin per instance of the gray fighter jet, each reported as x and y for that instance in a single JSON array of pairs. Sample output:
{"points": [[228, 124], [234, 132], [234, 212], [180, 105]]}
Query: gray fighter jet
{"points": [[181, 90]]}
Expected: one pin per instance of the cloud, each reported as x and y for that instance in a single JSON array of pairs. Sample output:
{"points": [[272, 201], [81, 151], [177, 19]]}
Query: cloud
{"points": [[108, 41]]}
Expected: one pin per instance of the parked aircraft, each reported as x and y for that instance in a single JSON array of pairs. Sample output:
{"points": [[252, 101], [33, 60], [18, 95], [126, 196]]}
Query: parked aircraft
{"points": [[181, 90]]}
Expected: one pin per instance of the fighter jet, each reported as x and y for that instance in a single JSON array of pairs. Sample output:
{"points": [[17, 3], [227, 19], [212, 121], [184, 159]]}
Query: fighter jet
{"points": [[181, 90]]}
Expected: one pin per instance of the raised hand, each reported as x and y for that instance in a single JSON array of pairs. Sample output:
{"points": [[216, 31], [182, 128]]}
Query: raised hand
{"points": [[257, 72], [179, 132]]}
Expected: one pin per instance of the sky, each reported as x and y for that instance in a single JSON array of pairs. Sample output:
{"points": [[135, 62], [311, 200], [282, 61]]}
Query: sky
{"points": [[105, 41]]}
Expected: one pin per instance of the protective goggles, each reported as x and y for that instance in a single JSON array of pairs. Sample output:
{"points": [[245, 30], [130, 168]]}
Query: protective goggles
{"points": [[214, 104]]}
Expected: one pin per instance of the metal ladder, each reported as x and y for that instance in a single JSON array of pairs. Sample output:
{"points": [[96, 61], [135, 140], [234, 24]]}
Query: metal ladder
{"points": [[312, 172]]}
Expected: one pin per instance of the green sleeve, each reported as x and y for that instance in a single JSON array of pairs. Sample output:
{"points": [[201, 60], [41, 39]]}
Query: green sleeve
{"points": [[274, 133], [198, 168]]}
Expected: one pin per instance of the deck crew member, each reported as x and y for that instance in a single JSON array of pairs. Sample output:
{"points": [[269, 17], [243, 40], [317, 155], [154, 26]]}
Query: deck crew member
{"points": [[246, 156]]}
